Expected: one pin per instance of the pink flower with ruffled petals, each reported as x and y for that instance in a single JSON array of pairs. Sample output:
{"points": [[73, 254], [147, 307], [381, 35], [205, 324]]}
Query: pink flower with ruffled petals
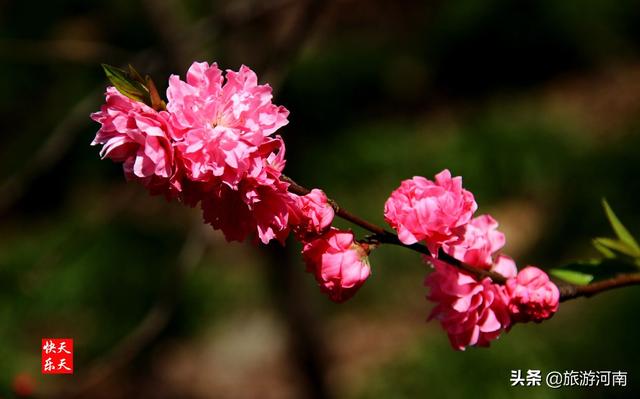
{"points": [[481, 240], [214, 146], [138, 136], [533, 297], [261, 210], [221, 125], [471, 312], [505, 266], [435, 212], [339, 264], [313, 214]]}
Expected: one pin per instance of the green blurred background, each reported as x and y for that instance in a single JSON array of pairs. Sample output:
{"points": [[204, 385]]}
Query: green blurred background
{"points": [[535, 102]]}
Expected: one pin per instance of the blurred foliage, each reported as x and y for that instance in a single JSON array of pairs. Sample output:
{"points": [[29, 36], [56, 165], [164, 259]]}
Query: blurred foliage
{"points": [[497, 91]]}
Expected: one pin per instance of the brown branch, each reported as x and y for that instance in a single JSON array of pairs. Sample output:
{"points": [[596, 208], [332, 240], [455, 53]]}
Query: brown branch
{"points": [[571, 291], [383, 236]]}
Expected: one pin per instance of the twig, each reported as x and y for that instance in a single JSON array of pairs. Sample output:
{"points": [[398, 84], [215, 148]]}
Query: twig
{"points": [[381, 235], [385, 236], [571, 291]]}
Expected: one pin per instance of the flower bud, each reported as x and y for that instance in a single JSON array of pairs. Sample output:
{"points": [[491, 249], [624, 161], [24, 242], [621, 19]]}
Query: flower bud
{"points": [[339, 264], [533, 297]]}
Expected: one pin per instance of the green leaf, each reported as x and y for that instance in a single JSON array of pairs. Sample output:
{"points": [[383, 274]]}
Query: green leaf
{"points": [[621, 231], [571, 276], [127, 84], [606, 252], [616, 246], [584, 272]]}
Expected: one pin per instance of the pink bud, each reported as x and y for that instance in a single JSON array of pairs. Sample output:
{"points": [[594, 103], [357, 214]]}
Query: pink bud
{"points": [[313, 215], [339, 264], [533, 297]]}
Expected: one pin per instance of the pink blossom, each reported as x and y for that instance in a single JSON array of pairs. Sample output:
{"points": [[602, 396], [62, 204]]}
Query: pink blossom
{"points": [[533, 297], [260, 204], [432, 211], [214, 146], [505, 266], [471, 312], [138, 136], [221, 125], [339, 264], [481, 240], [223, 141], [260, 209], [313, 212]]}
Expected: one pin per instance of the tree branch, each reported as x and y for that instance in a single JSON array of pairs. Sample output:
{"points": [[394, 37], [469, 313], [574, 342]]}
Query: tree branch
{"points": [[571, 291], [383, 236]]}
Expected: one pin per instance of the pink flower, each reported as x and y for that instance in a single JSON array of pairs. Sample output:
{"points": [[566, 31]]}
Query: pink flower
{"points": [[224, 145], [261, 210], [471, 312], [533, 297], [221, 125], [214, 146], [432, 211], [138, 136], [313, 213], [260, 204], [339, 264], [481, 240], [504, 266]]}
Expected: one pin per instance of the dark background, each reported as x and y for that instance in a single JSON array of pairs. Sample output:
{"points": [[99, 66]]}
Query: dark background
{"points": [[535, 103]]}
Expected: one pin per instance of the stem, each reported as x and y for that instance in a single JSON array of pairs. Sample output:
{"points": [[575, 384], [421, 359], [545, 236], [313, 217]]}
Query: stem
{"points": [[571, 291], [383, 236]]}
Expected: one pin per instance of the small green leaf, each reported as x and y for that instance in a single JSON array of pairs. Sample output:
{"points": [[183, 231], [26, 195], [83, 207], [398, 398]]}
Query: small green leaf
{"points": [[621, 231], [584, 272], [616, 246], [126, 84], [606, 252], [572, 276]]}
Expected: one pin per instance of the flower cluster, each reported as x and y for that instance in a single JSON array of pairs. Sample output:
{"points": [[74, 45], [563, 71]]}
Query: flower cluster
{"points": [[472, 312], [339, 263], [214, 146]]}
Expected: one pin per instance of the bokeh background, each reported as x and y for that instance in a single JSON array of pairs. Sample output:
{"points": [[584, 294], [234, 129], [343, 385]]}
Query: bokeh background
{"points": [[535, 103]]}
